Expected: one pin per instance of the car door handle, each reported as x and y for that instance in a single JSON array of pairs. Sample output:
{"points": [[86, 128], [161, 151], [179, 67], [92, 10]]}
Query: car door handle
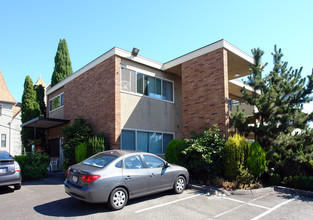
{"points": [[152, 175], [127, 178]]}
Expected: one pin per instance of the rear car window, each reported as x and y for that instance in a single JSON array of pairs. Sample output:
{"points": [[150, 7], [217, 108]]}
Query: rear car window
{"points": [[5, 156], [99, 160]]}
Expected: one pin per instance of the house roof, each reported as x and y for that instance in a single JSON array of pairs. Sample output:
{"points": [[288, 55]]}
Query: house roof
{"points": [[168, 66], [5, 95], [40, 82]]}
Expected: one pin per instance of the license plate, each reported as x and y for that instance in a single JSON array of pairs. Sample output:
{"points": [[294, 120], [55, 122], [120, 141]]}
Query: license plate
{"points": [[3, 170], [75, 179]]}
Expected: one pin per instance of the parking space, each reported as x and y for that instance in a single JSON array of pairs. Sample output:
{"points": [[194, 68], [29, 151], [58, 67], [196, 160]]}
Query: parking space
{"points": [[47, 200]]}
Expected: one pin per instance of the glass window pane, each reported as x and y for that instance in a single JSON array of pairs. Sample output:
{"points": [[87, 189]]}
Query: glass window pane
{"points": [[3, 140], [62, 99], [128, 140], [158, 88], [167, 90], [140, 83], [145, 85], [153, 162], [133, 81], [125, 78], [151, 86], [166, 139], [133, 162], [142, 141], [50, 105], [155, 143]]}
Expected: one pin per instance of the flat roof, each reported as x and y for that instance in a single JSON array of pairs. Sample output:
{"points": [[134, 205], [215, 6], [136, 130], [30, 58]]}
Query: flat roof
{"points": [[43, 122]]}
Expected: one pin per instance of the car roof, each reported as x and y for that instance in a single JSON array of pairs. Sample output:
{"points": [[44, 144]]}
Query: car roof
{"points": [[119, 153]]}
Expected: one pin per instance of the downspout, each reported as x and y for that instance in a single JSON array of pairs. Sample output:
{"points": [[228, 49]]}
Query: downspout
{"points": [[10, 124]]}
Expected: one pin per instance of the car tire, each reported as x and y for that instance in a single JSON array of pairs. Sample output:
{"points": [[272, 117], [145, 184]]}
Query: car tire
{"points": [[179, 185], [17, 186], [118, 199]]}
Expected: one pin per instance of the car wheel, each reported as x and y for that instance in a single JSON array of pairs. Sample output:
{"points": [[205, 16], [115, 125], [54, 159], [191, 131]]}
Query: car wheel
{"points": [[17, 186], [179, 185], [118, 199]]}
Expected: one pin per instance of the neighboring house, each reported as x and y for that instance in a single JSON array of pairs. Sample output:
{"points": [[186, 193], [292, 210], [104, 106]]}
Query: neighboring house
{"points": [[141, 104], [10, 120]]}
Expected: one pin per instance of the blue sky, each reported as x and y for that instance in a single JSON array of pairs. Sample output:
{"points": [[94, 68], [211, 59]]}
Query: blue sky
{"points": [[162, 30]]}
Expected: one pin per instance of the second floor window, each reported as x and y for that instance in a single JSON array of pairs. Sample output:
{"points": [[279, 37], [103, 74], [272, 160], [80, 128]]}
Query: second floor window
{"points": [[56, 102], [154, 87]]}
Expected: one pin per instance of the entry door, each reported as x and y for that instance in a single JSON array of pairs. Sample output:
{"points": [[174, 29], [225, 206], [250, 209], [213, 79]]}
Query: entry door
{"points": [[54, 147], [135, 175]]}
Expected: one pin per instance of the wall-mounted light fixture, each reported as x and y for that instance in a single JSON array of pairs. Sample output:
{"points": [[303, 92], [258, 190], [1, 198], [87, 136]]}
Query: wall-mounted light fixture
{"points": [[237, 74], [135, 52]]}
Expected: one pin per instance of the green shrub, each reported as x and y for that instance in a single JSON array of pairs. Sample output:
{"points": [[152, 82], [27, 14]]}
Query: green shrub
{"points": [[244, 176], [299, 182], [235, 154], [274, 179], [81, 152], [33, 165], [95, 145], [256, 161], [74, 134], [174, 152], [22, 160], [203, 155]]}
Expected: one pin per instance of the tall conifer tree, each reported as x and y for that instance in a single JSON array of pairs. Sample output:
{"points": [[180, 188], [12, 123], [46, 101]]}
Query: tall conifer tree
{"points": [[62, 63], [30, 109]]}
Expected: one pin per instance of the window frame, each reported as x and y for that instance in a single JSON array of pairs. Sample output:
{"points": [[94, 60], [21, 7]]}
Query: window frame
{"points": [[61, 102], [147, 131], [146, 76], [3, 141]]}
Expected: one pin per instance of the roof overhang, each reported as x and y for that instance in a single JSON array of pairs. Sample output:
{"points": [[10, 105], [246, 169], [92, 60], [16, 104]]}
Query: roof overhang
{"points": [[45, 123]]}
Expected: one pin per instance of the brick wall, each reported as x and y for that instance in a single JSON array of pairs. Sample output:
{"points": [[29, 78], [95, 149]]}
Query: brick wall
{"points": [[95, 96], [205, 92]]}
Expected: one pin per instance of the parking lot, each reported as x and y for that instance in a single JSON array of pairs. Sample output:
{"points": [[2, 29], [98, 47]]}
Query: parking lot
{"points": [[46, 199]]}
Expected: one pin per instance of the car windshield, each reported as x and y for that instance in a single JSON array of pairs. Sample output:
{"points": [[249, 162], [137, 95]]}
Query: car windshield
{"points": [[99, 160], [5, 156]]}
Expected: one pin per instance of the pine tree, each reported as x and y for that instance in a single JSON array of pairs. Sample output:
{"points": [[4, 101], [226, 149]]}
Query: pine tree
{"points": [[279, 100], [30, 109], [62, 63]]}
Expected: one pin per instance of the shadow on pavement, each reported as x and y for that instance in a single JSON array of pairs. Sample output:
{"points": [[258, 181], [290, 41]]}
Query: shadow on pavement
{"points": [[5, 190], [70, 207], [53, 178]]}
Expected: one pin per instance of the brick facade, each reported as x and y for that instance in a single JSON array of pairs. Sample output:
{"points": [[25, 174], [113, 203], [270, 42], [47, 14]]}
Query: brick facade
{"points": [[95, 96], [205, 92]]}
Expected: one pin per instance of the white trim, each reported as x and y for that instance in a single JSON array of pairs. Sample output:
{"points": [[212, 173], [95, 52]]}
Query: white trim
{"points": [[208, 49]]}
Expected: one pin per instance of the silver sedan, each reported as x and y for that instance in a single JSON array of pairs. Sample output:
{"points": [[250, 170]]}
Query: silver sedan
{"points": [[115, 176]]}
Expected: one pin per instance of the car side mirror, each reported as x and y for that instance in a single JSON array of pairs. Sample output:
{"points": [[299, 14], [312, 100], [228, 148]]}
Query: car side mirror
{"points": [[166, 165]]}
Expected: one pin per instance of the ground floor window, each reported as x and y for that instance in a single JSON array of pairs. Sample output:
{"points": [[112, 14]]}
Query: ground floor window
{"points": [[147, 141], [3, 140]]}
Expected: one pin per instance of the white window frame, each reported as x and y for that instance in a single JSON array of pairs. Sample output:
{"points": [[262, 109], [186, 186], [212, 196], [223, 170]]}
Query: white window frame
{"points": [[148, 131], [142, 95], [61, 106]]}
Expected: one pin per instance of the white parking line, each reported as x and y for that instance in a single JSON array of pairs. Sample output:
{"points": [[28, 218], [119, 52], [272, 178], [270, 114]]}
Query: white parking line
{"points": [[248, 203], [237, 207], [275, 207], [168, 203]]}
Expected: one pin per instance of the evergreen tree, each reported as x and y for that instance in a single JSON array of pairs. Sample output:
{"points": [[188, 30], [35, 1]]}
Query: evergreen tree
{"points": [[40, 96], [279, 100], [62, 63], [30, 109]]}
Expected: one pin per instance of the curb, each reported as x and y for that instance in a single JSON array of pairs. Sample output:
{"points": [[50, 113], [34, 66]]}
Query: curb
{"points": [[293, 191], [253, 191]]}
